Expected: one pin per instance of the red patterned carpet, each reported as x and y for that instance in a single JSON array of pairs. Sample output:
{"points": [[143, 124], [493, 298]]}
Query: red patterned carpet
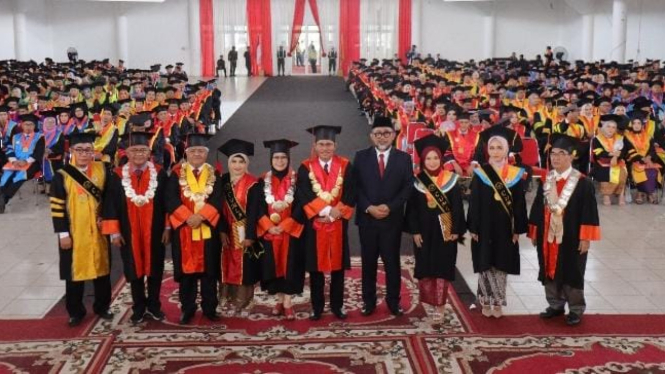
{"points": [[465, 342]]}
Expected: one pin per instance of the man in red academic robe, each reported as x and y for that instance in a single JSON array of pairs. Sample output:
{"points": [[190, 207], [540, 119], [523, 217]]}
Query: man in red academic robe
{"points": [[463, 141], [135, 218], [325, 188], [194, 203], [563, 222]]}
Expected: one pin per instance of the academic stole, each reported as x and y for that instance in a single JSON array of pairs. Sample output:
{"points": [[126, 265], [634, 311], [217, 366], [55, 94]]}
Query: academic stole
{"points": [[198, 186], [501, 193], [608, 144], [237, 211], [641, 143], [441, 201]]}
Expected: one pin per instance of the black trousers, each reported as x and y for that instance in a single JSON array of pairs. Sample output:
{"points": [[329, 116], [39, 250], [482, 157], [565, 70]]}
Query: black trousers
{"points": [[374, 243], [188, 290], [10, 189], [317, 283], [141, 302], [74, 291], [249, 69], [233, 68], [332, 65], [313, 64], [217, 71], [280, 66]]}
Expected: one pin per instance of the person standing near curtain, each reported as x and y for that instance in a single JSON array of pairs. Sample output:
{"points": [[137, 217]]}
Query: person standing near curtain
{"points": [[325, 188], [383, 176], [281, 56], [332, 61], [248, 61], [497, 216], [233, 61], [312, 56]]}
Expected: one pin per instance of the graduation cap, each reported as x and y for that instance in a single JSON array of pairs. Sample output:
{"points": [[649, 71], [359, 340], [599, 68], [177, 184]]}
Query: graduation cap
{"points": [[29, 118], [82, 105], [135, 138], [155, 68], [638, 114], [279, 146], [603, 99], [169, 66], [82, 138], [179, 64], [323, 132], [160, 108], [641, 102], [498, 130], [565, 142], [235, 146], [48, 114], [619, 120], [197, 140], [430, 141], [4, 109], [570, 108], [139, 119], [381, 121], [464, 116], [106, 107]]}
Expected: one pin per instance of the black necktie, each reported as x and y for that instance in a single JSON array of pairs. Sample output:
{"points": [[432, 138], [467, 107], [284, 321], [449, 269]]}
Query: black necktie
{"points": [[325, 168]]}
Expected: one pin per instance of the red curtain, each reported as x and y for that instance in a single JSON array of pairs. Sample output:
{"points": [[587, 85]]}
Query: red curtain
{"points": [[207, 30], [404, 39], [298, 17], [315, 13], [260, 35], [349, 33]]}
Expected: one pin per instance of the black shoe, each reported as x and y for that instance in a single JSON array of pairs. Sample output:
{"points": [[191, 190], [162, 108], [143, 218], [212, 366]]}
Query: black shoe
{"points": [[212, 316], [157, 315], [339, 314], [573, 319], [106, 315], [315, 316], [396, 311], [74, 321], [136, 318], [551, 313], [186, 318], [368, 310], [3, 203]]}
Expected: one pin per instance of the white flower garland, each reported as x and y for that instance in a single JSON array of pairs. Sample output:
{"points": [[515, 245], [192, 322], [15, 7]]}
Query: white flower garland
{"points": [[270, 198], [130, 192]]}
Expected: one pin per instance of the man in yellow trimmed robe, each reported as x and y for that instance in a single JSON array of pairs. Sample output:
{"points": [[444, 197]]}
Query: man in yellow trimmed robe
{"points": [[76, 197]]}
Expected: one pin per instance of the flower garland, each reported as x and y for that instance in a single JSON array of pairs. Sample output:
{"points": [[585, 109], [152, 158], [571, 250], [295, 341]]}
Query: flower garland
{"points": [[270, 198], [197, 197], [326, 196], [130, 192]]}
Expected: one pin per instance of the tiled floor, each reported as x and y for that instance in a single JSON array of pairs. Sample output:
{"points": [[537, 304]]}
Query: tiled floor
{"points": [[625, 270]]}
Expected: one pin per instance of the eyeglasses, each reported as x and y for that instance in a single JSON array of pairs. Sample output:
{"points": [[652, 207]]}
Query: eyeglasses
{"points": [[83, 151], [196, 151], [382, 134], [558, 154], [139, 151]]}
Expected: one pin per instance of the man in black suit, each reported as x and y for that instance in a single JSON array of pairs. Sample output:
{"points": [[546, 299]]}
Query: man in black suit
{"points": [[384, 176]]}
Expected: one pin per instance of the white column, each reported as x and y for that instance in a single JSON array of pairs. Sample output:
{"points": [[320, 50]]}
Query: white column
{"points": [[194, 38], [489, 28], [416, 23], [122, 38], [20, 45], [587, 37], [619, 21]]}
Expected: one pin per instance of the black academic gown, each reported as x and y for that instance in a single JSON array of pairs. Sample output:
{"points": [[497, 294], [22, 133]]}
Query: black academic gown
{"points": [[580, 211], [436, 258], [115, 210], [294, 280], [211, 249], [488, 219]]}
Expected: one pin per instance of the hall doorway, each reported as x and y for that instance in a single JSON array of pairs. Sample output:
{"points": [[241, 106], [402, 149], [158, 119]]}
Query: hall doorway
{"points": [[306, 58]]}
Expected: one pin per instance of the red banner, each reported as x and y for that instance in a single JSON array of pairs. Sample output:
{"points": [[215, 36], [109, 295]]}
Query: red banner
{"points": [[207, 30], [404, 38], [349, 33], [260, 35]]}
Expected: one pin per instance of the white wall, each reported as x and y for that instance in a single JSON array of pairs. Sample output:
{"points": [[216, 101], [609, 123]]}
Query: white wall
{"points": [[455, 29], [157, 32]]}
